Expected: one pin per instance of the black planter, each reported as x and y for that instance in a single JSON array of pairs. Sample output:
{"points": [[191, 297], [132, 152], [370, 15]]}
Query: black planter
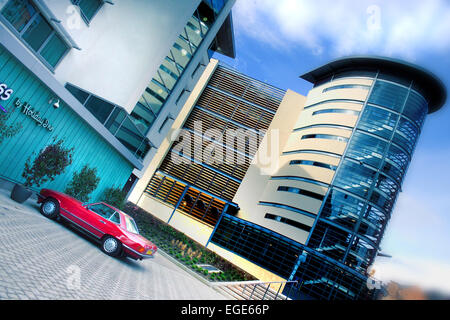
{"points": [[20, 194]]}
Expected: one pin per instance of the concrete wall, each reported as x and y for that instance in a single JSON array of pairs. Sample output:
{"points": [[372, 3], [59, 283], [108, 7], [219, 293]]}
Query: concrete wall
{"points": [[122, 47]]}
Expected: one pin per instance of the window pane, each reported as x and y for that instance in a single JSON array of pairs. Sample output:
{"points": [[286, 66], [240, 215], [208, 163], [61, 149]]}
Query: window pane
{"points": [[90, 7], [388, 95], [37, 32], [99, 108], [102, 210], [18, 13], [54, 50], [79, 94], [115, 218]]}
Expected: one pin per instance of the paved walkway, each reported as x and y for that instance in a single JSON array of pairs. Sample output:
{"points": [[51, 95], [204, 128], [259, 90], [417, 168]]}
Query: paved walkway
{"points": [[44, 259]]}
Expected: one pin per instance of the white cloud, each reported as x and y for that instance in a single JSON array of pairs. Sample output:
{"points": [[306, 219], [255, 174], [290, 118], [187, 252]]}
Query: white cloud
{"points": [[401, 27], [427, 274]]}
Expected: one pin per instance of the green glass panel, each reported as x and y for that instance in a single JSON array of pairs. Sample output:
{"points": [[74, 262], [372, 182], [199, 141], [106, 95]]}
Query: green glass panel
{"points": [[18, 13], [181, 52], [99, 108], [37, 32], [167, 78], [153, 100], [90, 7], [54, 50], [193, 31], [170, 66]]}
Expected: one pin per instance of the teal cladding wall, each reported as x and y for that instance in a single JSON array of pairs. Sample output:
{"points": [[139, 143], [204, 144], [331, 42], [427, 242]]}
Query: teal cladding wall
{"points": [[89, 147]]}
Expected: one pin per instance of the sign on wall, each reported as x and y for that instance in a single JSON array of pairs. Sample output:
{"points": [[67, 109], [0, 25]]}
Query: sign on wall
{"points": [[5, 94], [33, 114]]}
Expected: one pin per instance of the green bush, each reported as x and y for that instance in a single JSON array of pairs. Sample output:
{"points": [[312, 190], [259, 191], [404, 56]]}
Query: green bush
{"points": [[115, 197], [51, 161], [83, 183], [8, 131]]}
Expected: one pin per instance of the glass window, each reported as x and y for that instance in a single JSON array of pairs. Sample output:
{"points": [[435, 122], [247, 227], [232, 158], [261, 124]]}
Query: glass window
{"points": [[79, 94], [378, 121], [345, 111], [288, 221], [19, 13], [102, 210], [115, 217], [312, 163], [347, 86], [366, 149], [35, 31], [99, 108], [325, 136], [88, 8], [416, 108], [388, 95], [355, 178], [302, 192], [131, 225], [54, 50]]}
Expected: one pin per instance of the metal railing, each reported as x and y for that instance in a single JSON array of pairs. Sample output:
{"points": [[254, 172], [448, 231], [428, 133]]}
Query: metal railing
{"points": [[256, 290]]}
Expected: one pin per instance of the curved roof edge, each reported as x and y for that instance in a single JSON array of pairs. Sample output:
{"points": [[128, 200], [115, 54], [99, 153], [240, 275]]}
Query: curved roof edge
{"points": [[432, 87]]}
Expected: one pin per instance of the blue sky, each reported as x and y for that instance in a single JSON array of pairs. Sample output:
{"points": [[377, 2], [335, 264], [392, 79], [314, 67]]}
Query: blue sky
{"points": [[277, 41]]}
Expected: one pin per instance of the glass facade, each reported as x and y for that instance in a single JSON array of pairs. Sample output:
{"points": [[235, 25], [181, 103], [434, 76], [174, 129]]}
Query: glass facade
{"points": [[115, 119], [318, 278], [368, 179], [344, 239], [35, 31], [160, 87]]}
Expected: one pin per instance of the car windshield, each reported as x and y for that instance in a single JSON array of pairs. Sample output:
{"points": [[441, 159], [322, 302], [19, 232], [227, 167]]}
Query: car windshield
{"points": [[102, 210], [131, 225]]}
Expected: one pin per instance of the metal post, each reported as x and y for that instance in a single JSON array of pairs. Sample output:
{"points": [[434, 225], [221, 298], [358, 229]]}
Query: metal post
{"points": [[251, 295], [268, 287], [178, 203]]}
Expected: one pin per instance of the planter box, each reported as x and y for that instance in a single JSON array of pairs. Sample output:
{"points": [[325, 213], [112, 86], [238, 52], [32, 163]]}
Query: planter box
{"points": [[20, 193]]}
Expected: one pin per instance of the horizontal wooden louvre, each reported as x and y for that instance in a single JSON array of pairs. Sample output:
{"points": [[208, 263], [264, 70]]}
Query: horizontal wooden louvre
{"points": [[231, 103]]}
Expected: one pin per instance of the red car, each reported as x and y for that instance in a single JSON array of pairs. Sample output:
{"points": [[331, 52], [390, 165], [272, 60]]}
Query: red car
{"points": [[115, 230]]}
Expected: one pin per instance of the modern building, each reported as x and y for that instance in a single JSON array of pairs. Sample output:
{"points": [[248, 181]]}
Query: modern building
{"points": [[118, 71], [312, 202]]}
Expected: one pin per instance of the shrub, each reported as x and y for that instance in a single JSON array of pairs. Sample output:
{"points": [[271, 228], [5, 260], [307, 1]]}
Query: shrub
{"points": [[8, 131], [51, 161], [114, 197], [83, 183]]}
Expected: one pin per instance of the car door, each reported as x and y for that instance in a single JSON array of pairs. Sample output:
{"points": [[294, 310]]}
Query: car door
{"points": [[80, 216], [102, 218]]}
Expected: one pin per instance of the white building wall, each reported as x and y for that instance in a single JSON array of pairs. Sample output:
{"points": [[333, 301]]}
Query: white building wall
{"points": [[122, 47]]}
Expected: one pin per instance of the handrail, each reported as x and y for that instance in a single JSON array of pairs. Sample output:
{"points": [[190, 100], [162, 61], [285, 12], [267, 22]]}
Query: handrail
{"points": [[230, 283], [256, 283]]}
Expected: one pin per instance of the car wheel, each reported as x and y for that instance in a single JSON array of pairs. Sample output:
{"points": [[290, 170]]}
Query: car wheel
{"points": [[50, 208], [111, 246]]}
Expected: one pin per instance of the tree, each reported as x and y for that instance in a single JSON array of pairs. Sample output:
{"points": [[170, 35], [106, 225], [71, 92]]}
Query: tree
{"points": [[83, 183]]}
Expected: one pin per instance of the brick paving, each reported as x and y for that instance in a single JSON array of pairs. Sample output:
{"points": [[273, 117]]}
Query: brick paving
{"points": [[44, 259]]}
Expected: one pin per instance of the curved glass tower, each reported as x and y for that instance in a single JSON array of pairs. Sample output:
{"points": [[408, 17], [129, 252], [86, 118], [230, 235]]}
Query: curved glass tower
{"points": [[379, 145], [324, 209]]}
